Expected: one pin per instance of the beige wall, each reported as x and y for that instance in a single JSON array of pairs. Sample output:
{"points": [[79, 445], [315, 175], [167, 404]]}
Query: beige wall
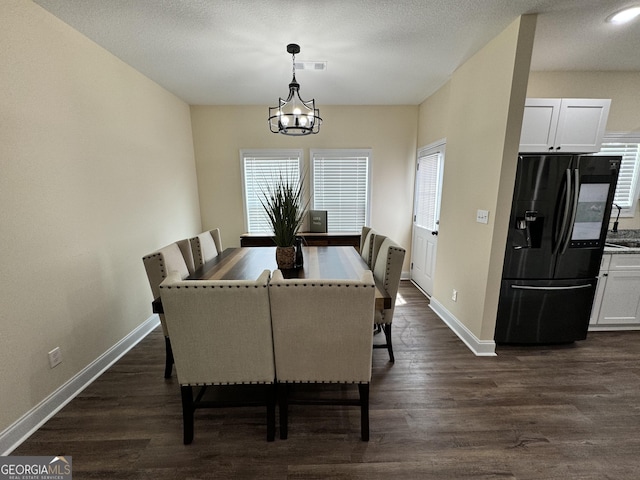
{"points": [[97, 169], [623, 88], [220, 133], [483, 105], [433, 116]]}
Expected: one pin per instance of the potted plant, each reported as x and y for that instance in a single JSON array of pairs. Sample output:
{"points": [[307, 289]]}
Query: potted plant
{"points": [[285, 209]]}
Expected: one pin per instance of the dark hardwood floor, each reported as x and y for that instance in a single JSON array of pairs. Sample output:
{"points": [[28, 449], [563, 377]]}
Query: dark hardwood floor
{"points": [[565, 412]]}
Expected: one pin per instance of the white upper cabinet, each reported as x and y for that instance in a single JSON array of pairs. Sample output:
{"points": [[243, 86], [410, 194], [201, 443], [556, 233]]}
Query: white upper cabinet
{"points": [[569, 125]]}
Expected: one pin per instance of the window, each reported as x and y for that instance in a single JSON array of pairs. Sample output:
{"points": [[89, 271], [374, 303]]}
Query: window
{"points": [[628, 147], [428, 185], [341, 185], [260, 169]]}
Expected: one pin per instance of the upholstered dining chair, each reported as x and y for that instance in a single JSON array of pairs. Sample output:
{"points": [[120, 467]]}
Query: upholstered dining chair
{"points": [[376, 243], [203, 248], [158, 265], [387, 271], [363, 236], [322, 334], [221, 336], [217, 238], [366, 248], [185, 248]]}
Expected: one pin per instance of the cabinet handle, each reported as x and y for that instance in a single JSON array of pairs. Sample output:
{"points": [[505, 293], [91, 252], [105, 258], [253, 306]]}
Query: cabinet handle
{"points": [[558, 148]]}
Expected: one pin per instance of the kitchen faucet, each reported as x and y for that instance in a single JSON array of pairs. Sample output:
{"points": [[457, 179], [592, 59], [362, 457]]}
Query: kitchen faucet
{"points": [[615, 224]]}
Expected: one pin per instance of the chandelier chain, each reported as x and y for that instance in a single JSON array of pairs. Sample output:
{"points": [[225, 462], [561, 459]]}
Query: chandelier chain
{"points": [[293, 64]]}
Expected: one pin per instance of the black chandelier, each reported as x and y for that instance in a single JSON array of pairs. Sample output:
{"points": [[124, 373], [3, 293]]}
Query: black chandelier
{"points": [[294, 116]]}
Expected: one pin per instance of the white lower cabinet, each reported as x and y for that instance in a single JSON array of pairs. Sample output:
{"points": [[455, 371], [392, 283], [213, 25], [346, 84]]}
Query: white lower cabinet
{"points": [[617, 302]]}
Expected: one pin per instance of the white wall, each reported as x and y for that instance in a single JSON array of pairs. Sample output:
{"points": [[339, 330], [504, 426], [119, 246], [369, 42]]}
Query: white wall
{"points": [[96, 170]]}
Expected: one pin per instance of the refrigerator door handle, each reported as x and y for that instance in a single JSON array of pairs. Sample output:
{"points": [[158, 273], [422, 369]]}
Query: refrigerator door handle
{"points": [[570, 287], [574, 210], [565, 214]]}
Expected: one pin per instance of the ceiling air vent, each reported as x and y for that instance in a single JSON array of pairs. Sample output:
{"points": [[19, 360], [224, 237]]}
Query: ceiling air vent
{"points": [[304, 65]]}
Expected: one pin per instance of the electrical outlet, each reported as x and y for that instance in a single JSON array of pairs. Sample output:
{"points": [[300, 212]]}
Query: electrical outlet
{"points": [[454, 295], [55, 357]]}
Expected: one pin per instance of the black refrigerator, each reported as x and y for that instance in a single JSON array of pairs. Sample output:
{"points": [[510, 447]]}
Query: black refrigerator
{"points": [[559, 220]]}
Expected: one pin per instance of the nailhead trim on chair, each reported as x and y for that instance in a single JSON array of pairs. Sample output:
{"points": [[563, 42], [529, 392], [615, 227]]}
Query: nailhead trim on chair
{"points": [[200, 256], [342, 382], [169, 287], [226, 383], [386, 280], [318, 284], [162, 268]]}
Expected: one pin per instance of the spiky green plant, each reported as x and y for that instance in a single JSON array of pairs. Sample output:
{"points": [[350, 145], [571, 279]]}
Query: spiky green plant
{"points": [[285, 209]]}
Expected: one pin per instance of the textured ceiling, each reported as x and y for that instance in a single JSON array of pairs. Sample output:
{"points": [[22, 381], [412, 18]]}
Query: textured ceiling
{"points": [[378, 52]]}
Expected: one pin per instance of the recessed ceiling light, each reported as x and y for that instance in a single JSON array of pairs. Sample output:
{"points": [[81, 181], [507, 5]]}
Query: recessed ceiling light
{"points": [[624, 16]]}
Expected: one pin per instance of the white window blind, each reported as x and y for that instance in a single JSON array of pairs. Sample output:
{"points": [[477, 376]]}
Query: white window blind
{"points": [[261, 169], [340, 185], [427, 175], [626, 190]]}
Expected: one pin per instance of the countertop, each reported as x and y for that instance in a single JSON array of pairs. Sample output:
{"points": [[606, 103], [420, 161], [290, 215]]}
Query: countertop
{"points": [[622, 237]]}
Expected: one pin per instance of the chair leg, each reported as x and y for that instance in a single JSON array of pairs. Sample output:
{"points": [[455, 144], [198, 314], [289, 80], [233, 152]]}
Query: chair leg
{"points": [[363, 388], [387, 334], [271, 412], [283, 405], [187, 413], [168, 366]]}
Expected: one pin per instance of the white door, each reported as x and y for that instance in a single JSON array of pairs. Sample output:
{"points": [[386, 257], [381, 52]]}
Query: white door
{"points": [[426, 215]]}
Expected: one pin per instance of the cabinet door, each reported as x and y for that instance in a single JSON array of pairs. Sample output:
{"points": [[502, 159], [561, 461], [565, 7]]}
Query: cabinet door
{"points": [[602, 282], [539, 124], [581, 125], [621, 300]]}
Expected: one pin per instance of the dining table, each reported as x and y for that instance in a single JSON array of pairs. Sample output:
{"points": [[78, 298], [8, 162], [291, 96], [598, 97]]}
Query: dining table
{"points": [[319, 263]]}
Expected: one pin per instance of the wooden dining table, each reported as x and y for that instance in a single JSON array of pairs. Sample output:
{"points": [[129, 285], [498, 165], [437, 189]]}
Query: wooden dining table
{"points": [[320, 263]]}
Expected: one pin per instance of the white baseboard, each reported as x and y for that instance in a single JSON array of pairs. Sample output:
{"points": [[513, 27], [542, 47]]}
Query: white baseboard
{"points": [[612, 328], [481, 348], [24, 427]]}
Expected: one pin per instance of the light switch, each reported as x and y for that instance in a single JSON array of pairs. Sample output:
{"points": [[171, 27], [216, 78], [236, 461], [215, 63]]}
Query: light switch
{"points": [[482, 216]]}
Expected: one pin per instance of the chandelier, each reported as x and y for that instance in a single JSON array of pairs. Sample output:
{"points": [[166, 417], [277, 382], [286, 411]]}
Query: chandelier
{"points": [[294, 116]]}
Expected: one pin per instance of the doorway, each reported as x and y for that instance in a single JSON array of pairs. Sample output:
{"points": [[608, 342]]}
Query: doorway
{"points": [[426, 214]]}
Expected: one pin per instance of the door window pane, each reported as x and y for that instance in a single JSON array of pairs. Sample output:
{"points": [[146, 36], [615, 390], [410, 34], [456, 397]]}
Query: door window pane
{"points": [[427, 181]]}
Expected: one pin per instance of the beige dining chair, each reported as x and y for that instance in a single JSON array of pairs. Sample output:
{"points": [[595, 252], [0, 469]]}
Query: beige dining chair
{"points": [[217, 238], [158, 265], [387, 272], [366, 250], [203, 248], [322, 334], [376, 243], [221, 336], [363, 236], [185, 248]]}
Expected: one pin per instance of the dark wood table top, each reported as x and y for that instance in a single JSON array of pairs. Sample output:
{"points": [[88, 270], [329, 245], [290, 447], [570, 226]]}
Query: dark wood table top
{"points": [[321, 263]]}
